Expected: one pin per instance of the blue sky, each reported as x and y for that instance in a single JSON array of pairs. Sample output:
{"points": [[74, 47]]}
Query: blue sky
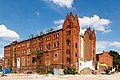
{"points": [[20, 18]]}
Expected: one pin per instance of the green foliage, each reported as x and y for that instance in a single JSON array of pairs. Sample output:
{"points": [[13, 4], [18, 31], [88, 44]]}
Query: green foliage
{"points": [[50, 71], [39, 54], [116, 58], [41, 33], [65, 71], [114, 54], [39, 69], [69, 71], [38, 58], [0, 67]]}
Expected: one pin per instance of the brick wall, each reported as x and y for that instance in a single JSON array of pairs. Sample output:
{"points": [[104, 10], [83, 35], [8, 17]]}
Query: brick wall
{"points": [[90, 46], [105, 58]]}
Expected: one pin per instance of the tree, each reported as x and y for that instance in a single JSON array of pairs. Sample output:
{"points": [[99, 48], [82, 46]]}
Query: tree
{"points": [[38, 60], [0, 67], [41, 33], [31, 36], [114, 54], [116, 58], [50, 30]]}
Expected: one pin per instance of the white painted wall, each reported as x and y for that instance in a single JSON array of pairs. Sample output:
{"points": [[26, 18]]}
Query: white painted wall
{"points": [[87, 64], [18, 62], [82, 47]]}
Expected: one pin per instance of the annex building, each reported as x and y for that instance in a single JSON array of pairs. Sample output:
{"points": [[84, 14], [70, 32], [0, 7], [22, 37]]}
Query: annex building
{"points": [[58, 49]]}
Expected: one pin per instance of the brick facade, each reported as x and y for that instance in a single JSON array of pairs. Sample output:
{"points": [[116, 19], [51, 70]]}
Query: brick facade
{"points": [[60, 49], [105, 58]]}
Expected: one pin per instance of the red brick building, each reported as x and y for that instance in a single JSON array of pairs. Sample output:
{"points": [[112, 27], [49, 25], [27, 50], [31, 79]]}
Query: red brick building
{"points": [[105, 58], [60, 48]]}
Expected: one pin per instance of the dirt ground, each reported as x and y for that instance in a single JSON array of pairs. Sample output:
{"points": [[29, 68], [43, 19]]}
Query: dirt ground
{"points": [[115, 76]]}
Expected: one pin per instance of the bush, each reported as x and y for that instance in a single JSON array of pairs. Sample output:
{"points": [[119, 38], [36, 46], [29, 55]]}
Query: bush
{"points": [[50, 71], [0, 67], [69, 71], [39, 69]]}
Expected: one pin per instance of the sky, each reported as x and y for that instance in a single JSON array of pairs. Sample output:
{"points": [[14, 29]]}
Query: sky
{"points": [[20, 18]]}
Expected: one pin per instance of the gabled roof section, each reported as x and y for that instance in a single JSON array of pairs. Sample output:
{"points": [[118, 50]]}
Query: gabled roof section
{"points": [[90, 32], [71, 20]]}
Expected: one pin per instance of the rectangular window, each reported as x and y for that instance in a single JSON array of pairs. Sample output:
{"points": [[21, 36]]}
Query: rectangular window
{"points": [[75, 54], [33, 59], [28, 51], [23, 61], [56, 35], [23, 45], [56, 44], [28, 61], [48, 46], [22, 51], [41, 48], [47, 38], [75, 45]]}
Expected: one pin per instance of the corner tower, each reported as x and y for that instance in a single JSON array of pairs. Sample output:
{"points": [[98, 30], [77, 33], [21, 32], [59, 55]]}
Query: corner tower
{"points": [[90, 46], [71, 30]]}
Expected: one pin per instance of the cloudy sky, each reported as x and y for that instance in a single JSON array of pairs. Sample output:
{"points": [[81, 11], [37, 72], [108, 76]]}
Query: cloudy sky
{"points": [[20, 18]]}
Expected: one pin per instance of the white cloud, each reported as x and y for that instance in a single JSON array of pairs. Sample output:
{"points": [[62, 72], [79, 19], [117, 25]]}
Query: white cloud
{"points": [[59, 22], [107, 45], [8, 34], [115, 44], [63, 3], [59, 27], [95, 22]]}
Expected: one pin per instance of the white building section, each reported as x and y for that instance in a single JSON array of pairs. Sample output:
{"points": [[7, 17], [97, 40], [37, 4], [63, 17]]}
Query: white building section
{"points": [[82, 47], [82, 63]]}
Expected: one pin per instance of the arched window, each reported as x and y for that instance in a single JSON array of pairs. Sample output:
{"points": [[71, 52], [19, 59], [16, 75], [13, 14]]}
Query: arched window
{"points": [[67, 42], [68, 51]]}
